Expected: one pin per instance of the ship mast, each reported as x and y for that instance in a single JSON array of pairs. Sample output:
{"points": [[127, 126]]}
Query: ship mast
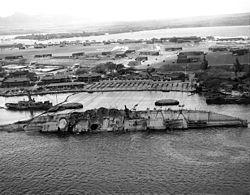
{"points": [[29, 96]]}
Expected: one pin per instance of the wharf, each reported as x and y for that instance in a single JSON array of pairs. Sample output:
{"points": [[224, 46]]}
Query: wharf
{"points": [[109, 86], [140, 85]]}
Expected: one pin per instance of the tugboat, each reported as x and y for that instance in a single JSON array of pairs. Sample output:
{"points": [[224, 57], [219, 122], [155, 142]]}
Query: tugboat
{"points": [[31, 104]]}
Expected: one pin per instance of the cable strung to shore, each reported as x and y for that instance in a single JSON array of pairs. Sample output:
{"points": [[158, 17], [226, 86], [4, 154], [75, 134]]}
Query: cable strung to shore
{"points": [[66, 99]]}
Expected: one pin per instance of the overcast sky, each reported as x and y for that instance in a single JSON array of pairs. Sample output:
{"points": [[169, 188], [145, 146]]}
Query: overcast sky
{"points": [[125, 10]]}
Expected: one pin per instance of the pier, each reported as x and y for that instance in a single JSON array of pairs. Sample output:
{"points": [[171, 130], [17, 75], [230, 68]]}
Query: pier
{"points": [[140, 85], [105, 86]]}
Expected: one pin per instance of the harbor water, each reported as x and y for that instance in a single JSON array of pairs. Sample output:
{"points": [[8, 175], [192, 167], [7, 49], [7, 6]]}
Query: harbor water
{"points": [[210, 161], [144, 100]]}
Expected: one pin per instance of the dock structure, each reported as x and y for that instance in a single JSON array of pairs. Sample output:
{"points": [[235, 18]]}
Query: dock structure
{"points": [[140, 85], [63, 84]]}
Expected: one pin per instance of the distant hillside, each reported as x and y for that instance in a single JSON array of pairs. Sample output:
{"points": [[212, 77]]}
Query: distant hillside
{"points": [[21, 23]]}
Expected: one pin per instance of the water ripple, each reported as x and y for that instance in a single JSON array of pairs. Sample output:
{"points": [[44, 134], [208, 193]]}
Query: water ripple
{"points": [[214, 161]]}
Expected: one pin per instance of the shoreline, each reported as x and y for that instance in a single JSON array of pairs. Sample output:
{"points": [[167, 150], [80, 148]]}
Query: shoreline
{"points": [[92, 91], [114, 33], [106, 37]]}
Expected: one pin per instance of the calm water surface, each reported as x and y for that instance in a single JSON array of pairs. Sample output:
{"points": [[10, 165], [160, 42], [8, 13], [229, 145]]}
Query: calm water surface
{"points": [[212, 161]]}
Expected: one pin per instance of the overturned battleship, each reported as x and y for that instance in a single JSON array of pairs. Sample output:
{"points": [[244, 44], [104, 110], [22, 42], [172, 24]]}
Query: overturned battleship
{"points": [[115, 120]]}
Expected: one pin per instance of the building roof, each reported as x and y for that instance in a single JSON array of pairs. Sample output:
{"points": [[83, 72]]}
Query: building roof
{"points": [[173, 47], [16, 79], [191, 53], [149, 51], [120, 54], [66, 84], [78, 53], [46, 78], [89, 75]]}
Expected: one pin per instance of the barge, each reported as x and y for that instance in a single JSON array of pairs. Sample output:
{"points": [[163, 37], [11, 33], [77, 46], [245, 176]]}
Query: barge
{"points": [[115, 120], [228, 100], [166, 102], [29, 105]]}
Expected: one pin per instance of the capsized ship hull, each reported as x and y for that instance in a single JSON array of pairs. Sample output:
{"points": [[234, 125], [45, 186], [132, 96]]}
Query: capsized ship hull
{"points": [[103, 120]]}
